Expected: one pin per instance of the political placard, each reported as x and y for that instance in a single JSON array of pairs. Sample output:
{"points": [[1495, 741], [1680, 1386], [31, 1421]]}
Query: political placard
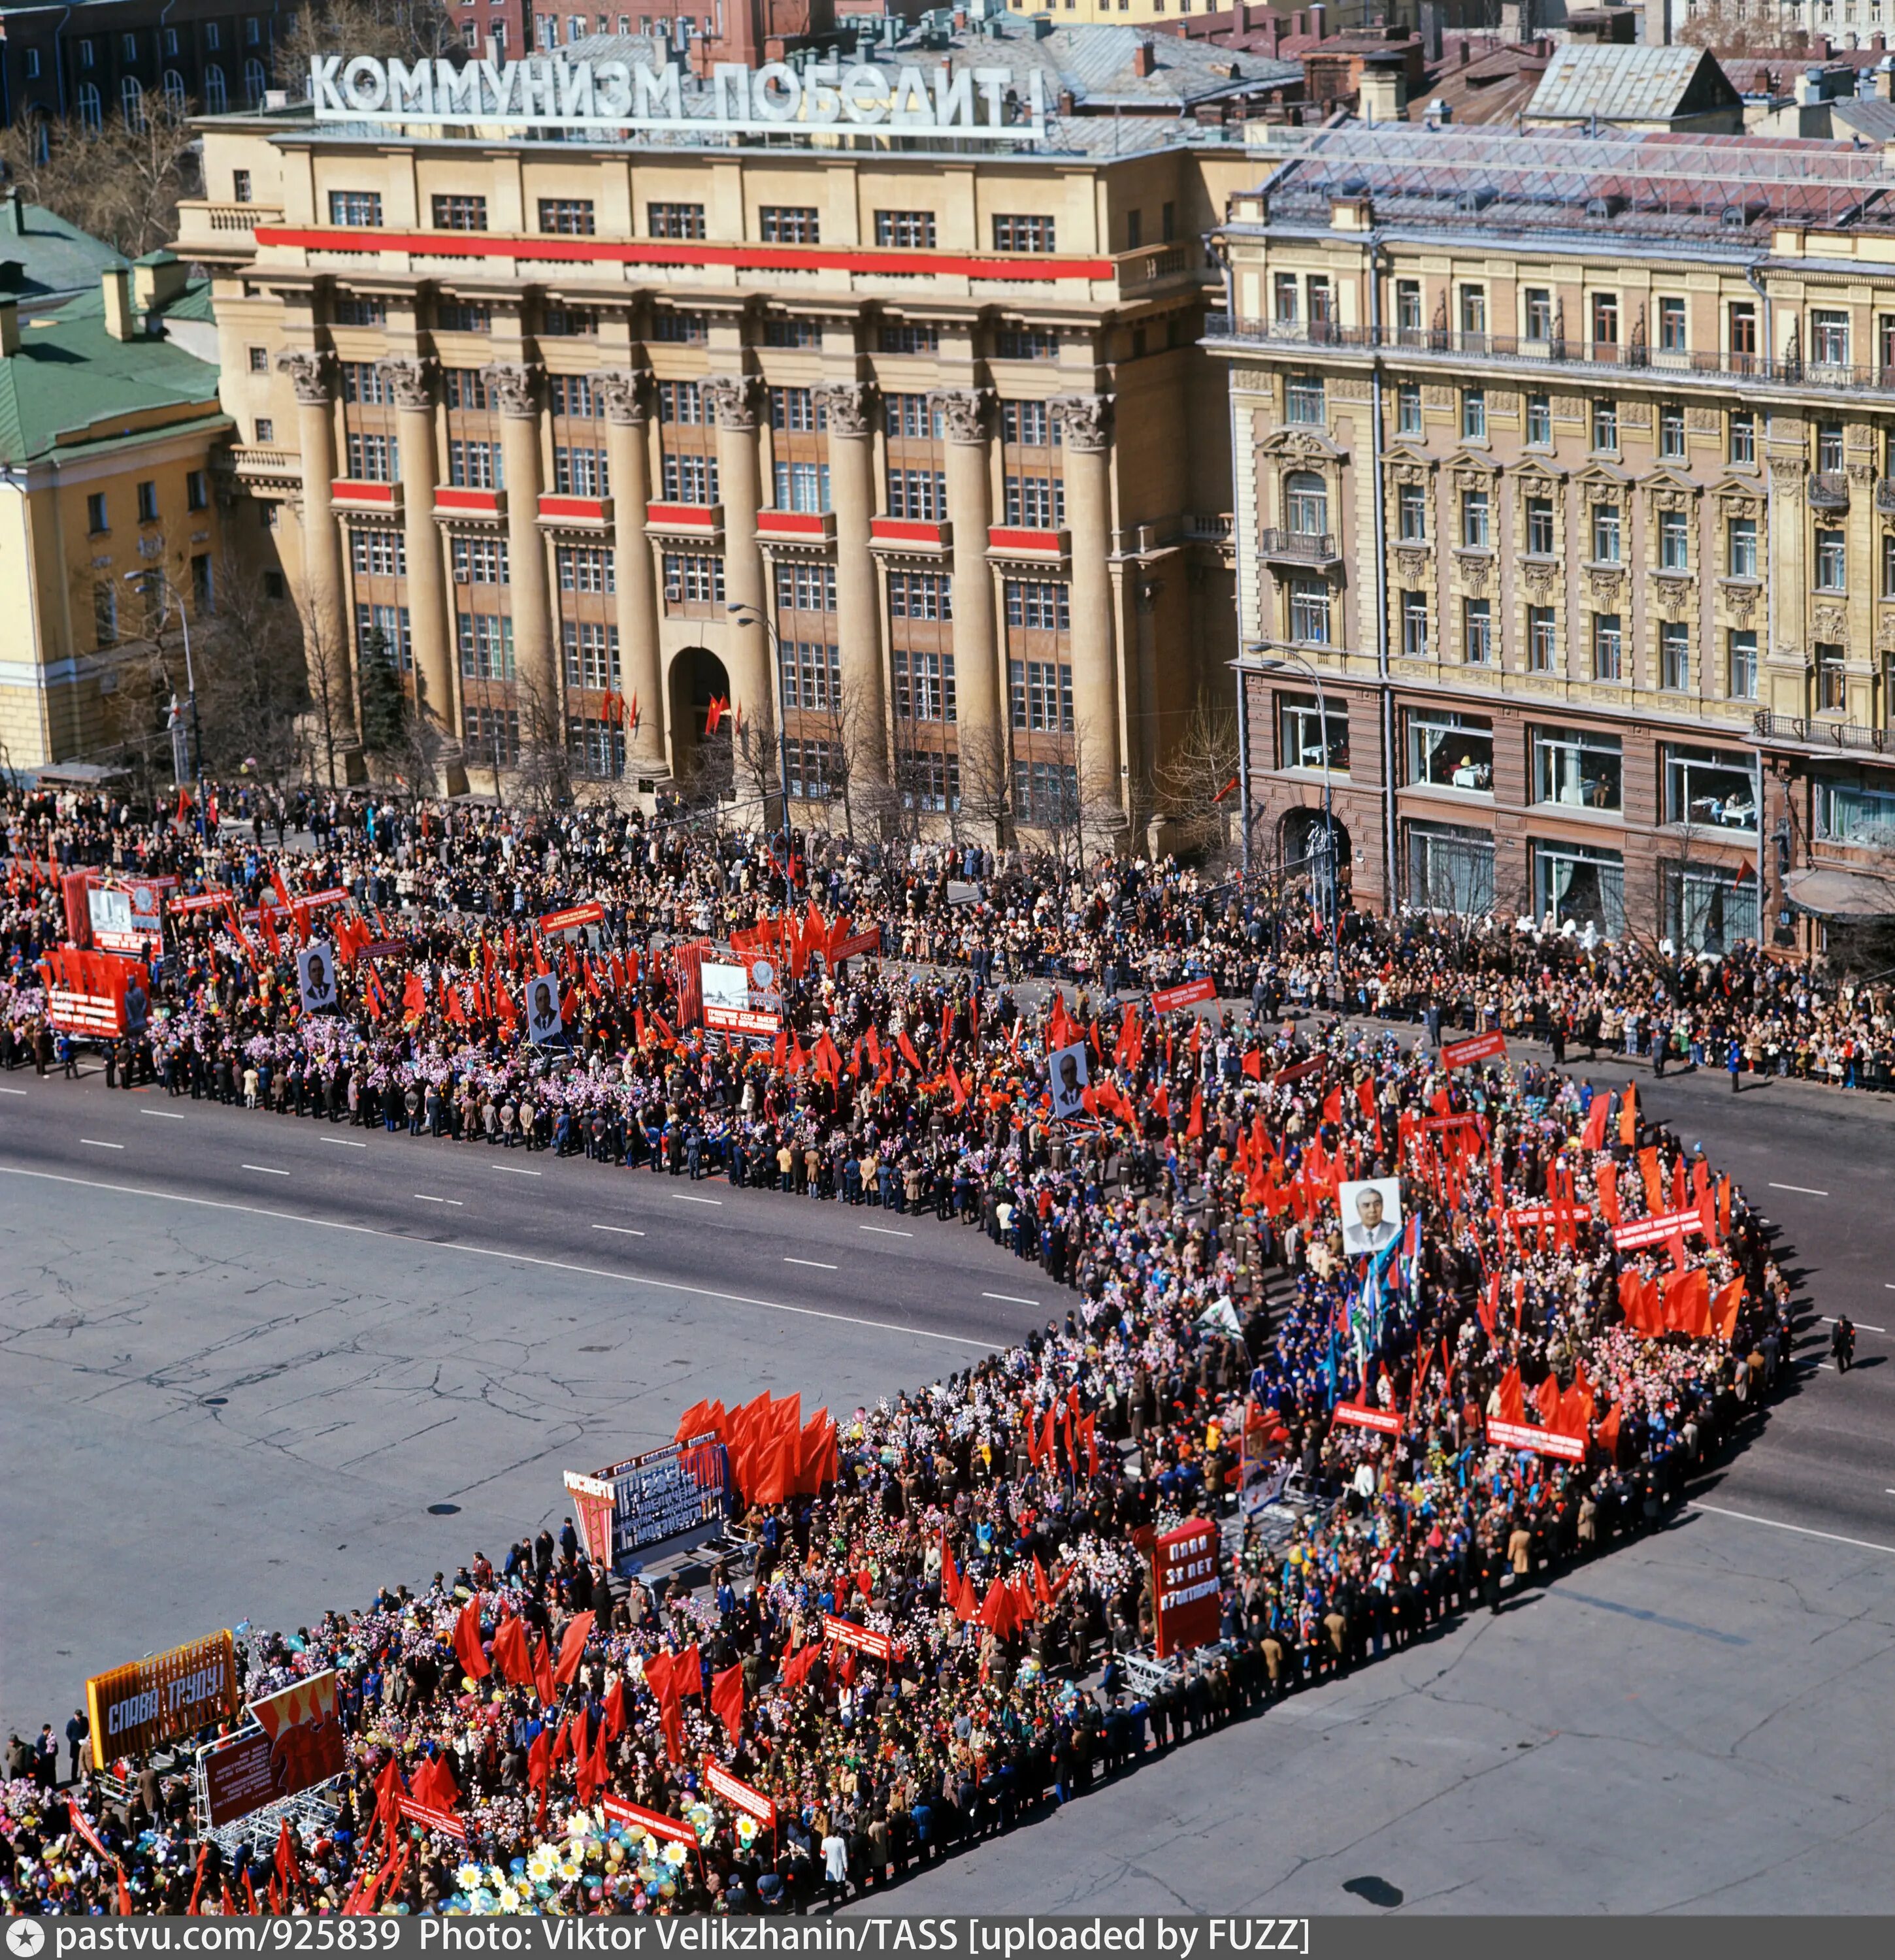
{"points": [[1187, 1588], [136, 1707], [1489, 1047], [544, 1021], [1371, 1209], [316, 976], [1068, 1070]]}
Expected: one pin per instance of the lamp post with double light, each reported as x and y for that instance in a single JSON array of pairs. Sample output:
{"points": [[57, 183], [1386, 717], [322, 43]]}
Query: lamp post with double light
{"points": [[145, 578]]}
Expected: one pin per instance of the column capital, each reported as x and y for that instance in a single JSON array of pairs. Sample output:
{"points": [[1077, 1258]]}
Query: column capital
{"points": [[626, 391], [967, 410], [734, 398], [515, 387], [410, 378], [310, 369], [850, 406], [1085, 418]]}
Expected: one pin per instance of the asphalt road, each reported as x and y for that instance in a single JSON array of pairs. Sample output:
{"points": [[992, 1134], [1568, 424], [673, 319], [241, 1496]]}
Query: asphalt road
{"points": [[247, 1366]]}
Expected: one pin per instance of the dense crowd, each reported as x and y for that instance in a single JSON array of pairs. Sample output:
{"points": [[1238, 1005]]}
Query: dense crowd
{"points": [[994, 1526]]}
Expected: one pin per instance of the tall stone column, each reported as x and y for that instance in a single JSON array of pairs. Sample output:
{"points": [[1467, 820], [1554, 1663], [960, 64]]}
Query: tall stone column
{"points": [[514, 386], [628, 415], [850, 406], [980, 728], [410, 382], [1095, 663], [741, 488], [327, 647]]}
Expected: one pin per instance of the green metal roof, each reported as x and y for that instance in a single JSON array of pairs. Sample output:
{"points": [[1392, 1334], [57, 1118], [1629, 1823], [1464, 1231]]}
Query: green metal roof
{"points": [[71, 385], [49, 262]]}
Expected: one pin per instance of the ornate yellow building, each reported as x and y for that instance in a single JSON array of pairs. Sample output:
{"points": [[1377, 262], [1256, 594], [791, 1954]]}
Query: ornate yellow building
{"points": [[895, 423], [1563, 469]]}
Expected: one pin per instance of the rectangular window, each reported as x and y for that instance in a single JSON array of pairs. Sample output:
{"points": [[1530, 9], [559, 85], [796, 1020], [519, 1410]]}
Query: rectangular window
{"points": [[1411, 514], [1016, 234], [1540, 527], [1672, 338], [378, 554], [1539, 312], [1741, 547], [1743, 339], [565, 320], [1608, 647], [806, 588], [1451, 869], [1309, 611], [667, 220], [1671, 433], [1473, 312], [1852, 813], [1585, 887], [921, 595], [908, 337], [351, 311], [813, 772], [1829, 448], [1605, 326], [1539, 420], [464, 388], [456, 213], [691, 329], [1674, 541], [690, 479], [1303, 399], [1607, 535], [693, 580], [1287, 291], [1605, 425], [1832, 692], [1450, 751], [920, 495], [802, 486], [1829, 338], [1041, 695], [907, 231], [1474, 415], [779, 332], [1578, 767], [1306, 736], [580, 472], [1743, 666], [1408, 408], [1032, 423], [1832, 561], [147, 503], [924, 686], [474, 466], [105, 612], [1477, 632], [1674, 656], [789, 224], [568, 216], [1542, 639], [1743, 432], [682, 402], [812, 674], [1709, 789], [197, 490], [486, 640], [259, 360], [374, 459], [1414, 625], [462, 317], [381, 630], [1038, 606], [584, 568], [1408, 307], [266, 432], [796, 409], [927, 779], [1888, 566], [477, 561], [355, 208], [591, 648], [1475, 533], [1036, 503], [364, 381], [1046, 794], [1025, 343], [574, 396]]}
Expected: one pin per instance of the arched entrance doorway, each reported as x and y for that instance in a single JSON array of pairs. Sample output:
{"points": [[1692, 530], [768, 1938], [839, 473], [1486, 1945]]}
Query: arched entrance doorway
{"points": [[702, 763], [1316, 853]]}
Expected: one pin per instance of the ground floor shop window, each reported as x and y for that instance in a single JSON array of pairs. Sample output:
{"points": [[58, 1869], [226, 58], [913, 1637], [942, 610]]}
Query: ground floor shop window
{"points": [[1708, 908], [1451, 869], [1572, 882]]}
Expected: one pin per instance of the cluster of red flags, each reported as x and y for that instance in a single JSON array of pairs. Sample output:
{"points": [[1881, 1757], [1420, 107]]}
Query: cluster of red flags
{"points": [[774, 1454], [617, 711], [1680, 1303], [1009, 1604]]}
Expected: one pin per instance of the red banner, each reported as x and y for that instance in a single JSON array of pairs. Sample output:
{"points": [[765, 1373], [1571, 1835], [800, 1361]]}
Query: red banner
{"points": [[851, 1635], [1538, 1217], [1187, 1587], [1297, 1071], [1476, 1047], [591, 913], [1187, 995], [869, 941], [1655, 1231], [739, 1796], [1384, 1422], [667, 1830], [739, 1021], [430, 1819], [1544, 1442]]}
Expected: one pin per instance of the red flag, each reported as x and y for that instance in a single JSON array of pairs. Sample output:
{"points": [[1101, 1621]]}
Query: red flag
{"points": [[542, 1682], [1593, 1137], [510, 1652], [572, 1647], [726, 1701], [473, 1662]]}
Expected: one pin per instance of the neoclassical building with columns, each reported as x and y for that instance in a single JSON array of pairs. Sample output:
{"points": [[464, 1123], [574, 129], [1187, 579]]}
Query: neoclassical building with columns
{"points": [[902, 446]]}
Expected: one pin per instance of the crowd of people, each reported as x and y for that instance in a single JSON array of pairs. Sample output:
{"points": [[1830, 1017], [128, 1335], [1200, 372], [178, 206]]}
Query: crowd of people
{"points": [[1493, 1387]]}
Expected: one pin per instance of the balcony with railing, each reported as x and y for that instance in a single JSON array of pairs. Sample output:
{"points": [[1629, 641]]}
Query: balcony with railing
{"points": [[1829, 490], [1303, 548], [205, 226], [1811, 732], [1511, 350]]}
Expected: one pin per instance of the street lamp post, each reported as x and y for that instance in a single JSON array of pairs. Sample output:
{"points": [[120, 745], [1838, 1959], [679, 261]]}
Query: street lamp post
{"points": [[144, 577], [1278, 663], [747, 614]]}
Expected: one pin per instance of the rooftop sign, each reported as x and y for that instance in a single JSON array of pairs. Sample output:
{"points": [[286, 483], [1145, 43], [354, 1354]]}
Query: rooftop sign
{"points": [[551, 91]]}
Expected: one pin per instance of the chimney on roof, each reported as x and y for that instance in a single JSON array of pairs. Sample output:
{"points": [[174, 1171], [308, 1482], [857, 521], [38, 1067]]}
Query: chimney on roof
{"points": [[1885, 79], [120, 321], [1319, 19], [1145, 60], [13, 212], [9, 327], [1382, 95]]}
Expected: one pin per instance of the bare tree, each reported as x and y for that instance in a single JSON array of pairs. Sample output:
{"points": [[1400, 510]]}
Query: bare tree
{"points": [[331, 718], [544, 772], [120, 181], [1197, 782], [986, 783], [251, 689], [1743, 27], [400, 29]]}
